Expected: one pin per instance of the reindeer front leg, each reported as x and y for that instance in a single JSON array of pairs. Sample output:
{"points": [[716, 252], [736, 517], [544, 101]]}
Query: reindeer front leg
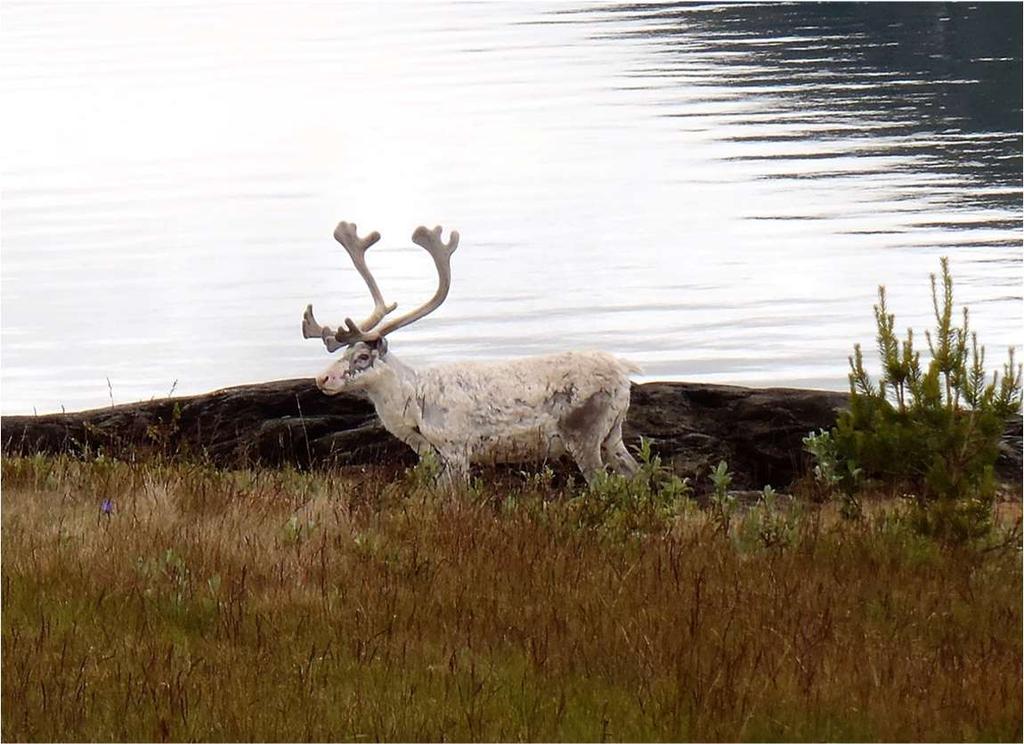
{"points": [[454, 472], [453, 467]]}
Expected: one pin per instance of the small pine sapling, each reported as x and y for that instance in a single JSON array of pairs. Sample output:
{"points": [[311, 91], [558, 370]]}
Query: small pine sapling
{"points": [[933, 431]]}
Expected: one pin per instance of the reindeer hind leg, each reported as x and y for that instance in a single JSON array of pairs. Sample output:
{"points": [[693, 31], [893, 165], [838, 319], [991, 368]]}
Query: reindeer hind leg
{"points": [[587, 455], [615, 453], [583, 431]]}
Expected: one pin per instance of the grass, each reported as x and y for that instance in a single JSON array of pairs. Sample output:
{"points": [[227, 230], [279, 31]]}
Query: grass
{"points": [[274, 605]]}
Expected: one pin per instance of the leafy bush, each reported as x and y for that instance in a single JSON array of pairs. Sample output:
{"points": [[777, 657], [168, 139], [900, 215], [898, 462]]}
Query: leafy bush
{"points": [[722, 503], [426, 473], [766, 525], [834, 474], [642, 503], [931, 430]]}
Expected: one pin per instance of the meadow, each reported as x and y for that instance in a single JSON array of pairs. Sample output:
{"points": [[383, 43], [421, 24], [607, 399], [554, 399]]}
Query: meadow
{"points": [[161, 601]]}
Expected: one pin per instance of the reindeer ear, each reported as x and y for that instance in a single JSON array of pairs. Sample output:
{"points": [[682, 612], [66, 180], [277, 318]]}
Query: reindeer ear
{"points": [[381, 346]]}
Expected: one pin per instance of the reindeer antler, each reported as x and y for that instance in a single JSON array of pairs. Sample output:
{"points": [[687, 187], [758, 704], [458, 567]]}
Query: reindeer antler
{"points": [[369, 329], [441, 252], [345, 233]]}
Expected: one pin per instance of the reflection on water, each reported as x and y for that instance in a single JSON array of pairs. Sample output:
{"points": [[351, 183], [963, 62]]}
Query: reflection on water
{"points": [[713, 191]]}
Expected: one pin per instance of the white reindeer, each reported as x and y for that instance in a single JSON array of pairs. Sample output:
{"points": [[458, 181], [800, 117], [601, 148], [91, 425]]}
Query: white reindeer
{"points": [[513, 411]]}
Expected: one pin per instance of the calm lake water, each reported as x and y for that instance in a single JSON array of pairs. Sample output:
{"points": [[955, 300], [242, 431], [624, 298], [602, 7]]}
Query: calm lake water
{"points": [[712, 191]]}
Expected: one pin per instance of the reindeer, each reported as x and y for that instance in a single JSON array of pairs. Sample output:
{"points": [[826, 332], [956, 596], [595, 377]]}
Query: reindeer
{"points": [[512, 411]]}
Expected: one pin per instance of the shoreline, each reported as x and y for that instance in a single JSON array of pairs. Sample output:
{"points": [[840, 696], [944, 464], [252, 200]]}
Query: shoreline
{"points": [[692, 426]]}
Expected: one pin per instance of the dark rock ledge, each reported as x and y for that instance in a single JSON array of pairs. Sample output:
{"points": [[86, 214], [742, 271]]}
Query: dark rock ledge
{"points": [[692, 426]]}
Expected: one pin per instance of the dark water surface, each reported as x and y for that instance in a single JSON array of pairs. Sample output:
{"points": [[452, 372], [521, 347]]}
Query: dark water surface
{"points": [[712, 191]]}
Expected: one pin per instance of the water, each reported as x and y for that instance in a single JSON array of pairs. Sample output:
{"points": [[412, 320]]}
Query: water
{"points": [[714, 192]]}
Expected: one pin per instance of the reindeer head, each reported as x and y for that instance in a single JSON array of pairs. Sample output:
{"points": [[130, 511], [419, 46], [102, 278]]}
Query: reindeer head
{"points": [[364, 360], [359, 368]]}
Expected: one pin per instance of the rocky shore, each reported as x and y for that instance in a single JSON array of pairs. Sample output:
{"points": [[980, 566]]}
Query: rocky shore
{"points": [[692, 427]]}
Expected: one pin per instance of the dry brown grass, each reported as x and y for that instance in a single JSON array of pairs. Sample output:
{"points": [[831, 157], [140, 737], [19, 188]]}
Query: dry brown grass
{"points": [[281, 606]]}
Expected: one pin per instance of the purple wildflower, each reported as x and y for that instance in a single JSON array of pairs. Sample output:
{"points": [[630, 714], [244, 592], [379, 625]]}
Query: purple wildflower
{"points": [[107, 507]]}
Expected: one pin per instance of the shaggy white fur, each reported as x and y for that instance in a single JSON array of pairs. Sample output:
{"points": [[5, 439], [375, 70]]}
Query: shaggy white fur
{"points": [[521, 410]]}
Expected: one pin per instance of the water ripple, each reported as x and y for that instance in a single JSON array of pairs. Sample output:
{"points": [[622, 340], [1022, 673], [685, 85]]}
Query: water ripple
{"points": [[714, 190]]}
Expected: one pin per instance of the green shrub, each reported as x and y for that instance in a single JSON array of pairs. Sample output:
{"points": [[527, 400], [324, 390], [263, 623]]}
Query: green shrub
{"points": [[767, 525], [722, 503], [931, 430], [834, 474], [643, 503]]}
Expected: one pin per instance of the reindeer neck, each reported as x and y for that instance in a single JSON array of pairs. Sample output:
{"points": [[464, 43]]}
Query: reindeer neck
{"points": [[394, 395], [395, 386]]}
